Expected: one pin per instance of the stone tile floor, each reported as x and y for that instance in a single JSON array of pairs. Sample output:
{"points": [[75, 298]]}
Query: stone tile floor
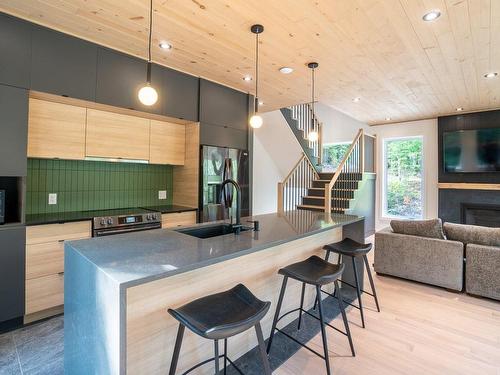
{"points": [[34, 349], [38, 349]]}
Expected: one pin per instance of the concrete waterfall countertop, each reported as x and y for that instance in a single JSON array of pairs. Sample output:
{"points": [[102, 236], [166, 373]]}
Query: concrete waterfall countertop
{"points": [[140, 257]]}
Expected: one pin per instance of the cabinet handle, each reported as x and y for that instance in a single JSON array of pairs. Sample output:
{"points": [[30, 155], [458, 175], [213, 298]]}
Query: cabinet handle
{"points": [[60, 240], [61, 273]]}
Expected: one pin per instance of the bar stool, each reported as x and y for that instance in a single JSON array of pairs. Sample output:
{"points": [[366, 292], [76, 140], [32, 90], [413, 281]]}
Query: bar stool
{"points": [[318, 272], [349, 247], [218, 317]]}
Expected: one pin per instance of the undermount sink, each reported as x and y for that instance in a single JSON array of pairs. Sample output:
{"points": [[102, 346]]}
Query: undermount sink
{"points": [[209, 231]]}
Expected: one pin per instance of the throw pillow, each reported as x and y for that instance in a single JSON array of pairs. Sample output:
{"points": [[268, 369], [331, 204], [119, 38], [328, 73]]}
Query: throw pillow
{"points": [[424, 228]]}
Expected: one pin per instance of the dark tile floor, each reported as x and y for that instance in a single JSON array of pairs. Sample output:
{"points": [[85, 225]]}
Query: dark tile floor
{"points": [[34, 349], [38, 349]]}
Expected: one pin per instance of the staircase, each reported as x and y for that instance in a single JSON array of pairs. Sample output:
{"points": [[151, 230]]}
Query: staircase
{"points": [[302, 121], [308, 188], [342, 193]]}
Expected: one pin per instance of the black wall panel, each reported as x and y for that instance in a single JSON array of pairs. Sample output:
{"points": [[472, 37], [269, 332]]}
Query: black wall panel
{"points": [[223, 106], [119, 78], [214, 135], [15, 52], [12, 260], [13, 131], [479, 120], [63, 65], [179, 94]]}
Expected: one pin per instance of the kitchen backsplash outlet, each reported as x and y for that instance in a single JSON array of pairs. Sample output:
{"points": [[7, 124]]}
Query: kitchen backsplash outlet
{"points": [[162, 194], [52, 198], [93, 185]]}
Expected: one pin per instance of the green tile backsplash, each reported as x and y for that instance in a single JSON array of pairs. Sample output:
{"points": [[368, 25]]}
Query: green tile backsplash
{"points": [[94, 185]]}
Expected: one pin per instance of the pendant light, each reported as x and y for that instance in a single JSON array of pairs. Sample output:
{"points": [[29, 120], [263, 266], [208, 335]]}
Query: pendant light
{"points": [[256, 120], [147, 94], [313, 134]]}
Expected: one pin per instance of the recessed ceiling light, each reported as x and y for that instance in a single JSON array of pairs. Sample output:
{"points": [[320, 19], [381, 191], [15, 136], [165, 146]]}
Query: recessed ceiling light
{"points": [[261, 103], [165, 45], [247, 78], [459, 109], [490, 75], [431, 16], [286, 70], [357, 99], [387, 119]]}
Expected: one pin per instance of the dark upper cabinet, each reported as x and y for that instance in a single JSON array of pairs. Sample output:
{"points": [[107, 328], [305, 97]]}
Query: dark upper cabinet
{"points": [[63, 65], [223, 136], [12, 265], [13, 131], [221, 105], [179, 94], [15, 52], [119, 78]]}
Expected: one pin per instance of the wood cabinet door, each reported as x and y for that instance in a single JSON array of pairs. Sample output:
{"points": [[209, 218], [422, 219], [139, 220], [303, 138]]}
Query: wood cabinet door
{"points": [[113, 135], [178, 219], [168, 143], [56, 130]]}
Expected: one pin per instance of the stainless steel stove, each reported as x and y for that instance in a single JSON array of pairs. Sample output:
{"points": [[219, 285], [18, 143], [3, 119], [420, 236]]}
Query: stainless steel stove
{"points": [[109, 222]]}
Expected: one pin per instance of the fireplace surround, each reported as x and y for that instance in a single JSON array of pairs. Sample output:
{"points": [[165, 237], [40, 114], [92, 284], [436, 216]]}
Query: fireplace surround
{"points": [[486, 215]]}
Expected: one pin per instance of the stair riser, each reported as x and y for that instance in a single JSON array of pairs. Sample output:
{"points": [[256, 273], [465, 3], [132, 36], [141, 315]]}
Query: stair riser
{"points": [[346, 185], [335, 193], [321, 202], [343, 176]]}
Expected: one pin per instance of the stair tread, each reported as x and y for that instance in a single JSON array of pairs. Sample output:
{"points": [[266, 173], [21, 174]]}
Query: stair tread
{"points": [[318, 207], [320, 197]]}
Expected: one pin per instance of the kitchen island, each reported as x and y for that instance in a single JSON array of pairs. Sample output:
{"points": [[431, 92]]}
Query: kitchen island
{"points": [[118, 288]]}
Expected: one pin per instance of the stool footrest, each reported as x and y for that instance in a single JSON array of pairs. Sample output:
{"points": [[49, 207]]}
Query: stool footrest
{"points": [[301, 344], [210, 360], [352, 286]]}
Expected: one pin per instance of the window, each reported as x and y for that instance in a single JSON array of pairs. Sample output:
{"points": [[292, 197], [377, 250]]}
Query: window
{"points": [[333, 154], [403, 178]]}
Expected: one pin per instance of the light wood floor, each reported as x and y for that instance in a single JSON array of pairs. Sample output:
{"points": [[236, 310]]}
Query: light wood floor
{"points": [[421, 330]]}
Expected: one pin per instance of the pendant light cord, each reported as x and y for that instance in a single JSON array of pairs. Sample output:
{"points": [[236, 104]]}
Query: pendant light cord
{"points": [[150, 28], [312, 101], [257, 73]]}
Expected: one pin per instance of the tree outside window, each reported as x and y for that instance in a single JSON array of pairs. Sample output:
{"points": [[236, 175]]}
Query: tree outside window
{"points": [[333, 154], [403, 178]]}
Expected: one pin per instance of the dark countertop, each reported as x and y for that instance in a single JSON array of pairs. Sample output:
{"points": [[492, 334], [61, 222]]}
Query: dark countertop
{"points": [[64, 217], [140, 257]]}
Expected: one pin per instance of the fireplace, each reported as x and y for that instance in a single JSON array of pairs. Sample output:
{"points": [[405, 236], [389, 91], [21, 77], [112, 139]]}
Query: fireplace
{"points": [[487, 215]]}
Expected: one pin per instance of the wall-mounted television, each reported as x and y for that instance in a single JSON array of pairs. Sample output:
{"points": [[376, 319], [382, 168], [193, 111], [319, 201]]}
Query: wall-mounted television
{"points": [[472, 151]]}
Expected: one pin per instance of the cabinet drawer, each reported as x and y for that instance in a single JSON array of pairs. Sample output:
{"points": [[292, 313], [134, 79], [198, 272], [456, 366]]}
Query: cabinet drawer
{"points": [[178, 219], [43, 259], [57, 232], [44, 293]]}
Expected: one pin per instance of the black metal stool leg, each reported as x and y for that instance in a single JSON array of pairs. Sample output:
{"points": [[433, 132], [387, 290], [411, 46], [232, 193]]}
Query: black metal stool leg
{"points": [[301, 304], [372, 284], [177, 349], [216, 352], [358, 290], [323, 331], [225, 356], [277, 313], [344, 317], [262, 350]]}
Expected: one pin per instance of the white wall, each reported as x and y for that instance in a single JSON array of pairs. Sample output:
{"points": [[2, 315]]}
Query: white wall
{"points": [[337, 126], [275, 152], [428, 130]]}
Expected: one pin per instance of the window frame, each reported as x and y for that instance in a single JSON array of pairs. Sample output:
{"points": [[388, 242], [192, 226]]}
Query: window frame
{"points": [[383, 208]]}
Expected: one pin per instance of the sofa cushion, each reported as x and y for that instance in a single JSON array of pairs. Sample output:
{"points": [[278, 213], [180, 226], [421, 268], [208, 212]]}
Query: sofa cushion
{"points": [[424, 228], [472, 234]]}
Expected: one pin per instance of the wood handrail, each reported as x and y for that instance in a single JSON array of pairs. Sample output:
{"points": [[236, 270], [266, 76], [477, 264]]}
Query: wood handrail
{"points": [[329, 185]]}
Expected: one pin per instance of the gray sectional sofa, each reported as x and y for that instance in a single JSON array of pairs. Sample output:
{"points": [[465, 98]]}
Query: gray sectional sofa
{"points": [[432, 253]]}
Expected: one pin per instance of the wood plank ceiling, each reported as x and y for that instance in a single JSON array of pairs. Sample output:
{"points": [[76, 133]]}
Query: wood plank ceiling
{"points": [[378, 50]]}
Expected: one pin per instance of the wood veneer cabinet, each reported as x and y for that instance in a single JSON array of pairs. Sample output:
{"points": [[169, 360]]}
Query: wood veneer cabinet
{"points": [[178, 219], [56, 130], [45, 263], [113, 135], [168, 143]]}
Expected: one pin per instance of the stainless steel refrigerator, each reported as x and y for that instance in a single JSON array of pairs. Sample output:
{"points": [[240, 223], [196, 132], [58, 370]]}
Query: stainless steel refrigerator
{"points": [[217, 165]]}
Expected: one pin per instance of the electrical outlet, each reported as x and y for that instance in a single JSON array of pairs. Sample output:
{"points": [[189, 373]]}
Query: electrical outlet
{"points": [[162, 194], [53, 198]]}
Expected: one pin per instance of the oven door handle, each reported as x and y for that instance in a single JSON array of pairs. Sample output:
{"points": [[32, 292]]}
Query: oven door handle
{"points": [[108, 232]]}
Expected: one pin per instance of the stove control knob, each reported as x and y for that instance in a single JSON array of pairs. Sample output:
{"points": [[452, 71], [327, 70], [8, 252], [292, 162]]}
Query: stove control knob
{"points": [[103, 222], [148, 217], [110, 221]]}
